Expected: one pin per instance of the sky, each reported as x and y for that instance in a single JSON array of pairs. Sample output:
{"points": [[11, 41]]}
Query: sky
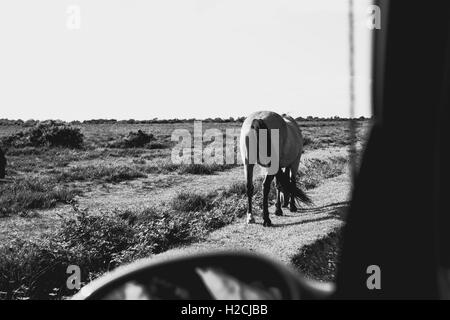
{"points": [[145, 59]]}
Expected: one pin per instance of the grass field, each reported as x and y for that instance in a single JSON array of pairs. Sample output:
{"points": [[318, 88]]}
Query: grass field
{"points": [[100, 205]]}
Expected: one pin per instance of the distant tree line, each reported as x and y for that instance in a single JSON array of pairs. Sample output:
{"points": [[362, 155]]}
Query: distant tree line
{"points": [[31, 122]]}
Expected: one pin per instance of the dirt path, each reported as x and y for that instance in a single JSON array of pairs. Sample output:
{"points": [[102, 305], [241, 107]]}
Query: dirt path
{"points": [[157, 189], [289, 233]]}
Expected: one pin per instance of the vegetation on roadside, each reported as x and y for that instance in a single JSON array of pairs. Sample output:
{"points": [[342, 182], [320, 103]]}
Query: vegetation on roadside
{"points": [[105, 173], [319, 260], [314, 171], [33, 193], [97, 243], [46, 134]]}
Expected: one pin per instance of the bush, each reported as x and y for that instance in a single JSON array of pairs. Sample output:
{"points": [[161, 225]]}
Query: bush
{"points": [[63, 136], [97, 238], [137, 139], [52, 134], [164, 231], [37, 269]]}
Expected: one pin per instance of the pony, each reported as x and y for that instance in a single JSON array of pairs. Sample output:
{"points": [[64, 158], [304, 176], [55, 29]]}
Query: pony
{"points": [[281, 149]]}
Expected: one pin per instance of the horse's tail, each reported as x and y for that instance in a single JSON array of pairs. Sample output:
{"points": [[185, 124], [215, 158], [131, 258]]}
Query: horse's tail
{"points": [[294, 189], [300, 195], [258, 124]]}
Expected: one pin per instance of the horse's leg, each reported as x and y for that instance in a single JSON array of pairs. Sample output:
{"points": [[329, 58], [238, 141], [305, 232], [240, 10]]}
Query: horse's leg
{"points": [[286, 193], [250, 189], [278, 210], [294, 170], [266, 188]]}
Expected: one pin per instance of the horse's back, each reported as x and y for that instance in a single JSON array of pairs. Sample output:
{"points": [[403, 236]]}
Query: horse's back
{"points": [[290, 137], [271, 119]]}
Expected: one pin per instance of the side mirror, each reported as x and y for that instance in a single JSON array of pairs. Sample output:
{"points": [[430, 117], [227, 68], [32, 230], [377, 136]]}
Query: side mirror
{"points": [[221, 276]]}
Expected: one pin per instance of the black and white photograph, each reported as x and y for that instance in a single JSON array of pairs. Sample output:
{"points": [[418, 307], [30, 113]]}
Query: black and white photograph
{"points": [[202, 150]]}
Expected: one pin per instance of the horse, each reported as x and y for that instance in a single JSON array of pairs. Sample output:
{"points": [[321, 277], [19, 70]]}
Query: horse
{"points": [[283, 145]]}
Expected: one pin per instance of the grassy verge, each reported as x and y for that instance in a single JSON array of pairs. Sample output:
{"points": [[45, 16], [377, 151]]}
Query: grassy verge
{"points": [[315, 171], [199, 169], [139, 169], [33, 193], [104, 173], [97, 243], [319, 260]]}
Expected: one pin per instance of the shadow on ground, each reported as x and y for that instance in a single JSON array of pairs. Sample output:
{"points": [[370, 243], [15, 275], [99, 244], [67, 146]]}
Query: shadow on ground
{"points": [[333, 211]]}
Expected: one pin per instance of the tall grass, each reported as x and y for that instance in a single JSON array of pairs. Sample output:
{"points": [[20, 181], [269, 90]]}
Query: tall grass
{"points": [[106, 173], [33, 193], [315, 171], [187, 201], [319, 260], [192, 168], [98, 243]]}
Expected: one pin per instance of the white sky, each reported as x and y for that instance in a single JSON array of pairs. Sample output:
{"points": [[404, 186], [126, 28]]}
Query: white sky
{"points": [[142, 59]]}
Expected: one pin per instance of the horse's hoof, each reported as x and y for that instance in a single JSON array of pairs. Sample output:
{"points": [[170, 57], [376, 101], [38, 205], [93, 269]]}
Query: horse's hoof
{"points": [[293, 209], [267, 223], [278, 212], [250, 220]]}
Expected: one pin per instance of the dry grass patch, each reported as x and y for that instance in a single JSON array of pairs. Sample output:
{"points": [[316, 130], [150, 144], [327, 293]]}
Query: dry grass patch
{"points": [[33, 193], [105, 173]]}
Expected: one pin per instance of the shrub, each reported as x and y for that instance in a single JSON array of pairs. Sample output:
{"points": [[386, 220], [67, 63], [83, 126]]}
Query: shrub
{"points": [[63, 136], [53, 134], [163, 232], [137, 139], [97, 238], [37, 268]]}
